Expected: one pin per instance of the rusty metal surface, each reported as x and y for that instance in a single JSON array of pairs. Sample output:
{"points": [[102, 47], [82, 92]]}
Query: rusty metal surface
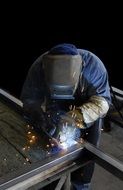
{"points": [[23, 151], [19, 144], [24, 154]]}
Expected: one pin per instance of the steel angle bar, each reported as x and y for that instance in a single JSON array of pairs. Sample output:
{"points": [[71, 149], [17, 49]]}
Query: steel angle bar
{"points": [[42, 168], [62, 171], [108, 162]]}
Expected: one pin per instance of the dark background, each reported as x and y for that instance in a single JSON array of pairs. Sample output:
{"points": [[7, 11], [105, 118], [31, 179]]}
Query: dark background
{"points": [[23, 38], [19, 54]]}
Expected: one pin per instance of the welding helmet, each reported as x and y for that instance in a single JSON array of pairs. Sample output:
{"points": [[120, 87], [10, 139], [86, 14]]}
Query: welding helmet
{"points": [[62, 68]]}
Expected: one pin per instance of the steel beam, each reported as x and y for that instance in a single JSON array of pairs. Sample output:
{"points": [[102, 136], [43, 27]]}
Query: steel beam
{"points": [[25, 179], [108, 162]]}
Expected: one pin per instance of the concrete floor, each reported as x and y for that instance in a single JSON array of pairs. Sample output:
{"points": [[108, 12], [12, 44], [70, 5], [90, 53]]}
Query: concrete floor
{"points": [[111, 143]]}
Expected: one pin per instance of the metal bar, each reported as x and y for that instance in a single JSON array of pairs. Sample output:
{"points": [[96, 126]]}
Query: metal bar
{"points": [[57, 174], [11, 101], [119, 123], [67, 184], [109, 163], [61, 182], [42, 168], [117, 91], [10, 97]]}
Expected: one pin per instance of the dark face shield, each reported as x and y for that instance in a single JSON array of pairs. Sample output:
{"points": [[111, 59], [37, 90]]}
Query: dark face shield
{"points": [[62, 74]]}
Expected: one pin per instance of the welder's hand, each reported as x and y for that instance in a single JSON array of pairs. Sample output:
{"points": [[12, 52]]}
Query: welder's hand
{"points": [[51, 127], [77, 116], [67, 129], [53, 121]]}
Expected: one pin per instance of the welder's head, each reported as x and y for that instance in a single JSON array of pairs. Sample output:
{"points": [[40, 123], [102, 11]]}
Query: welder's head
{"points": [[62, 67]]}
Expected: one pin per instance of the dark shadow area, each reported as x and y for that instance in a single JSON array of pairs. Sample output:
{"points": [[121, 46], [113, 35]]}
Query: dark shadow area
{"points": [[23, 40]]}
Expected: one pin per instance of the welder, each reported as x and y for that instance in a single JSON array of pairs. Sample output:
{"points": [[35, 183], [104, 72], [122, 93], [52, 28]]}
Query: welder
{"points": [[72, 83]]}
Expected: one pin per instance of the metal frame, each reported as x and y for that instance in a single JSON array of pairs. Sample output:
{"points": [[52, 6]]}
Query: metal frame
{"points": [[108, 162], [41, 170], [58, 166], [117, 95]]}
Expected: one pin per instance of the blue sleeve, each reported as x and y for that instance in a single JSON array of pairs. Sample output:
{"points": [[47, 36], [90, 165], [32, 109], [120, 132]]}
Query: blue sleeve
{"points": [[96, 77], [99, 86]]}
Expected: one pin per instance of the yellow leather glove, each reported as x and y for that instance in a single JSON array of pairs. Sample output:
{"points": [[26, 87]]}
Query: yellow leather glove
{"points": [[77, 116]]}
